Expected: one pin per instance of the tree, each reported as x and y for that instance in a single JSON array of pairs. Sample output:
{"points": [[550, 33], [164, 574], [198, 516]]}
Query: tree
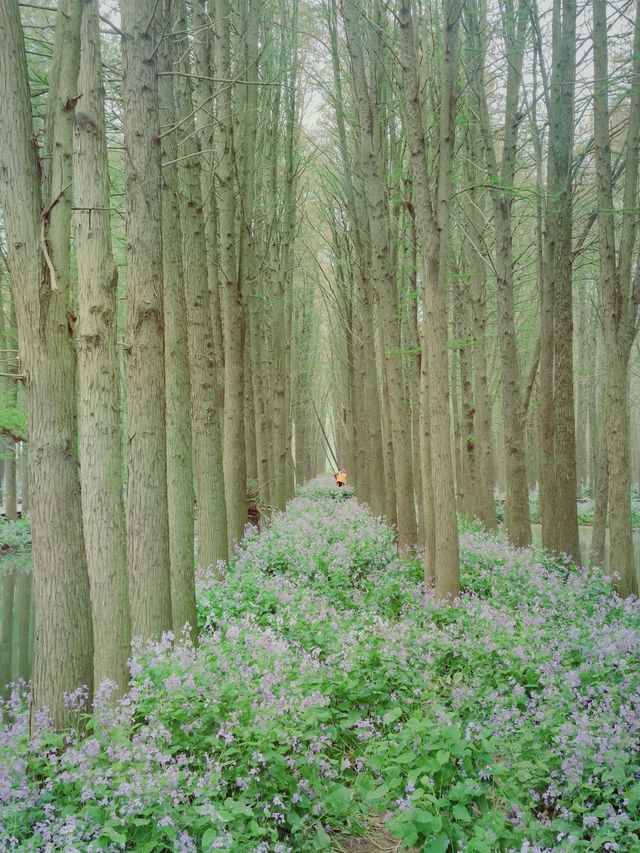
{"points": [[433, 222], [620, 289], [371, 117], [37, 221], [501, 177], [147, 543], [180, 485], [235, 463], [558, 483], [98, 391], [208, 459]]}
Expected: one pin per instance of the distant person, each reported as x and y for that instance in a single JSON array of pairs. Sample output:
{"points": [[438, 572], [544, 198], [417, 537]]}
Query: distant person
{"points": [[341, 477]]}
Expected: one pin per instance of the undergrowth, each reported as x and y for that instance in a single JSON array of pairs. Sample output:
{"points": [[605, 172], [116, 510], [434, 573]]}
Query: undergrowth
{"points": [[15, 535], [328, 686]]}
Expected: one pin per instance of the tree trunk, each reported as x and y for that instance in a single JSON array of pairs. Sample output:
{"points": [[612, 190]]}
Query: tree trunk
{"points": [[383, 276], [485, 509], [63, 645], [619, 300], [433, 222], [600, 494], [7, 586], [147, 512], [210, 484], [560, 187], [98, 390], [235, 465], [180, 486]]}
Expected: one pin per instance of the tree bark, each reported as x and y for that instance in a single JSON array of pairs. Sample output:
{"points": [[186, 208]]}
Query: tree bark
{"points": [[207, 440], [234, 452], [485, 509], [180, 486], [383, 276], [619, 298], [63, 644], [517, 521], [147, 512], [98, 390], [562, 483], [433, 222]]}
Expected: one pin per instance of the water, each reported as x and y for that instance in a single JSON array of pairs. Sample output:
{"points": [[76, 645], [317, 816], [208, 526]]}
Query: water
{"points": [[16, 619]]}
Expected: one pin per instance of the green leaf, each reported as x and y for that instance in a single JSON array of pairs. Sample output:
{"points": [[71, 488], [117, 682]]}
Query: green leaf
{"points": [[461, 813], [113, 835], [392, 715], [340, 799], [437, 845], [322, 840], [442, 756]]}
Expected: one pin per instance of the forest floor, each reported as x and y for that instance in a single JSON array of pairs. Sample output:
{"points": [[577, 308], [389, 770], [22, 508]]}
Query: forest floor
{"points": [[332, 705]]}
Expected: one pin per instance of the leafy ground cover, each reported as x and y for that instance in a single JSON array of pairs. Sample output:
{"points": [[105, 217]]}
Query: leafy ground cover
{"points": [[328, 688], [15, 535], [585, 507]]}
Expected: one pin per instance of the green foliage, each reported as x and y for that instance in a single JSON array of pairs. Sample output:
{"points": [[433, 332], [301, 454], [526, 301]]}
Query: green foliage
{"points": [[13, 419], [328, 685], [15, 535]]}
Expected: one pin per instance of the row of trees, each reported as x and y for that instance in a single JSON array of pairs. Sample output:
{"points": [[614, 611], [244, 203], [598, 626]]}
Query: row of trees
{"points": [[485, 174], [201, 111]]}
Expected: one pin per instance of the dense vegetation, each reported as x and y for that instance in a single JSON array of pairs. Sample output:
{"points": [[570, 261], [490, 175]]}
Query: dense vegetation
{"points": [[327, 686], [15, 535]]}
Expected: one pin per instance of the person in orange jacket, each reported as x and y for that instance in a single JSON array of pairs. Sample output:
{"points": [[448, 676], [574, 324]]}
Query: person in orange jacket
{"points": [[341, 477]]}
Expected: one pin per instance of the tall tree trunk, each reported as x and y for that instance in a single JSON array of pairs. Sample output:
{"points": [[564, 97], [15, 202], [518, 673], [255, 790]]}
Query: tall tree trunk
{"points": [[235, 465], [63, 644], [560, 189], [180, 485], [11, 496], [469, 448], [207, 441], [485, 509], [147, 512], [7, 587], [427, 497], [98, 390], [600, 492], [584, 344], [205, 66], [383, 275], [372, 449], [619, 298], [517, 520], [433, 223]]}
